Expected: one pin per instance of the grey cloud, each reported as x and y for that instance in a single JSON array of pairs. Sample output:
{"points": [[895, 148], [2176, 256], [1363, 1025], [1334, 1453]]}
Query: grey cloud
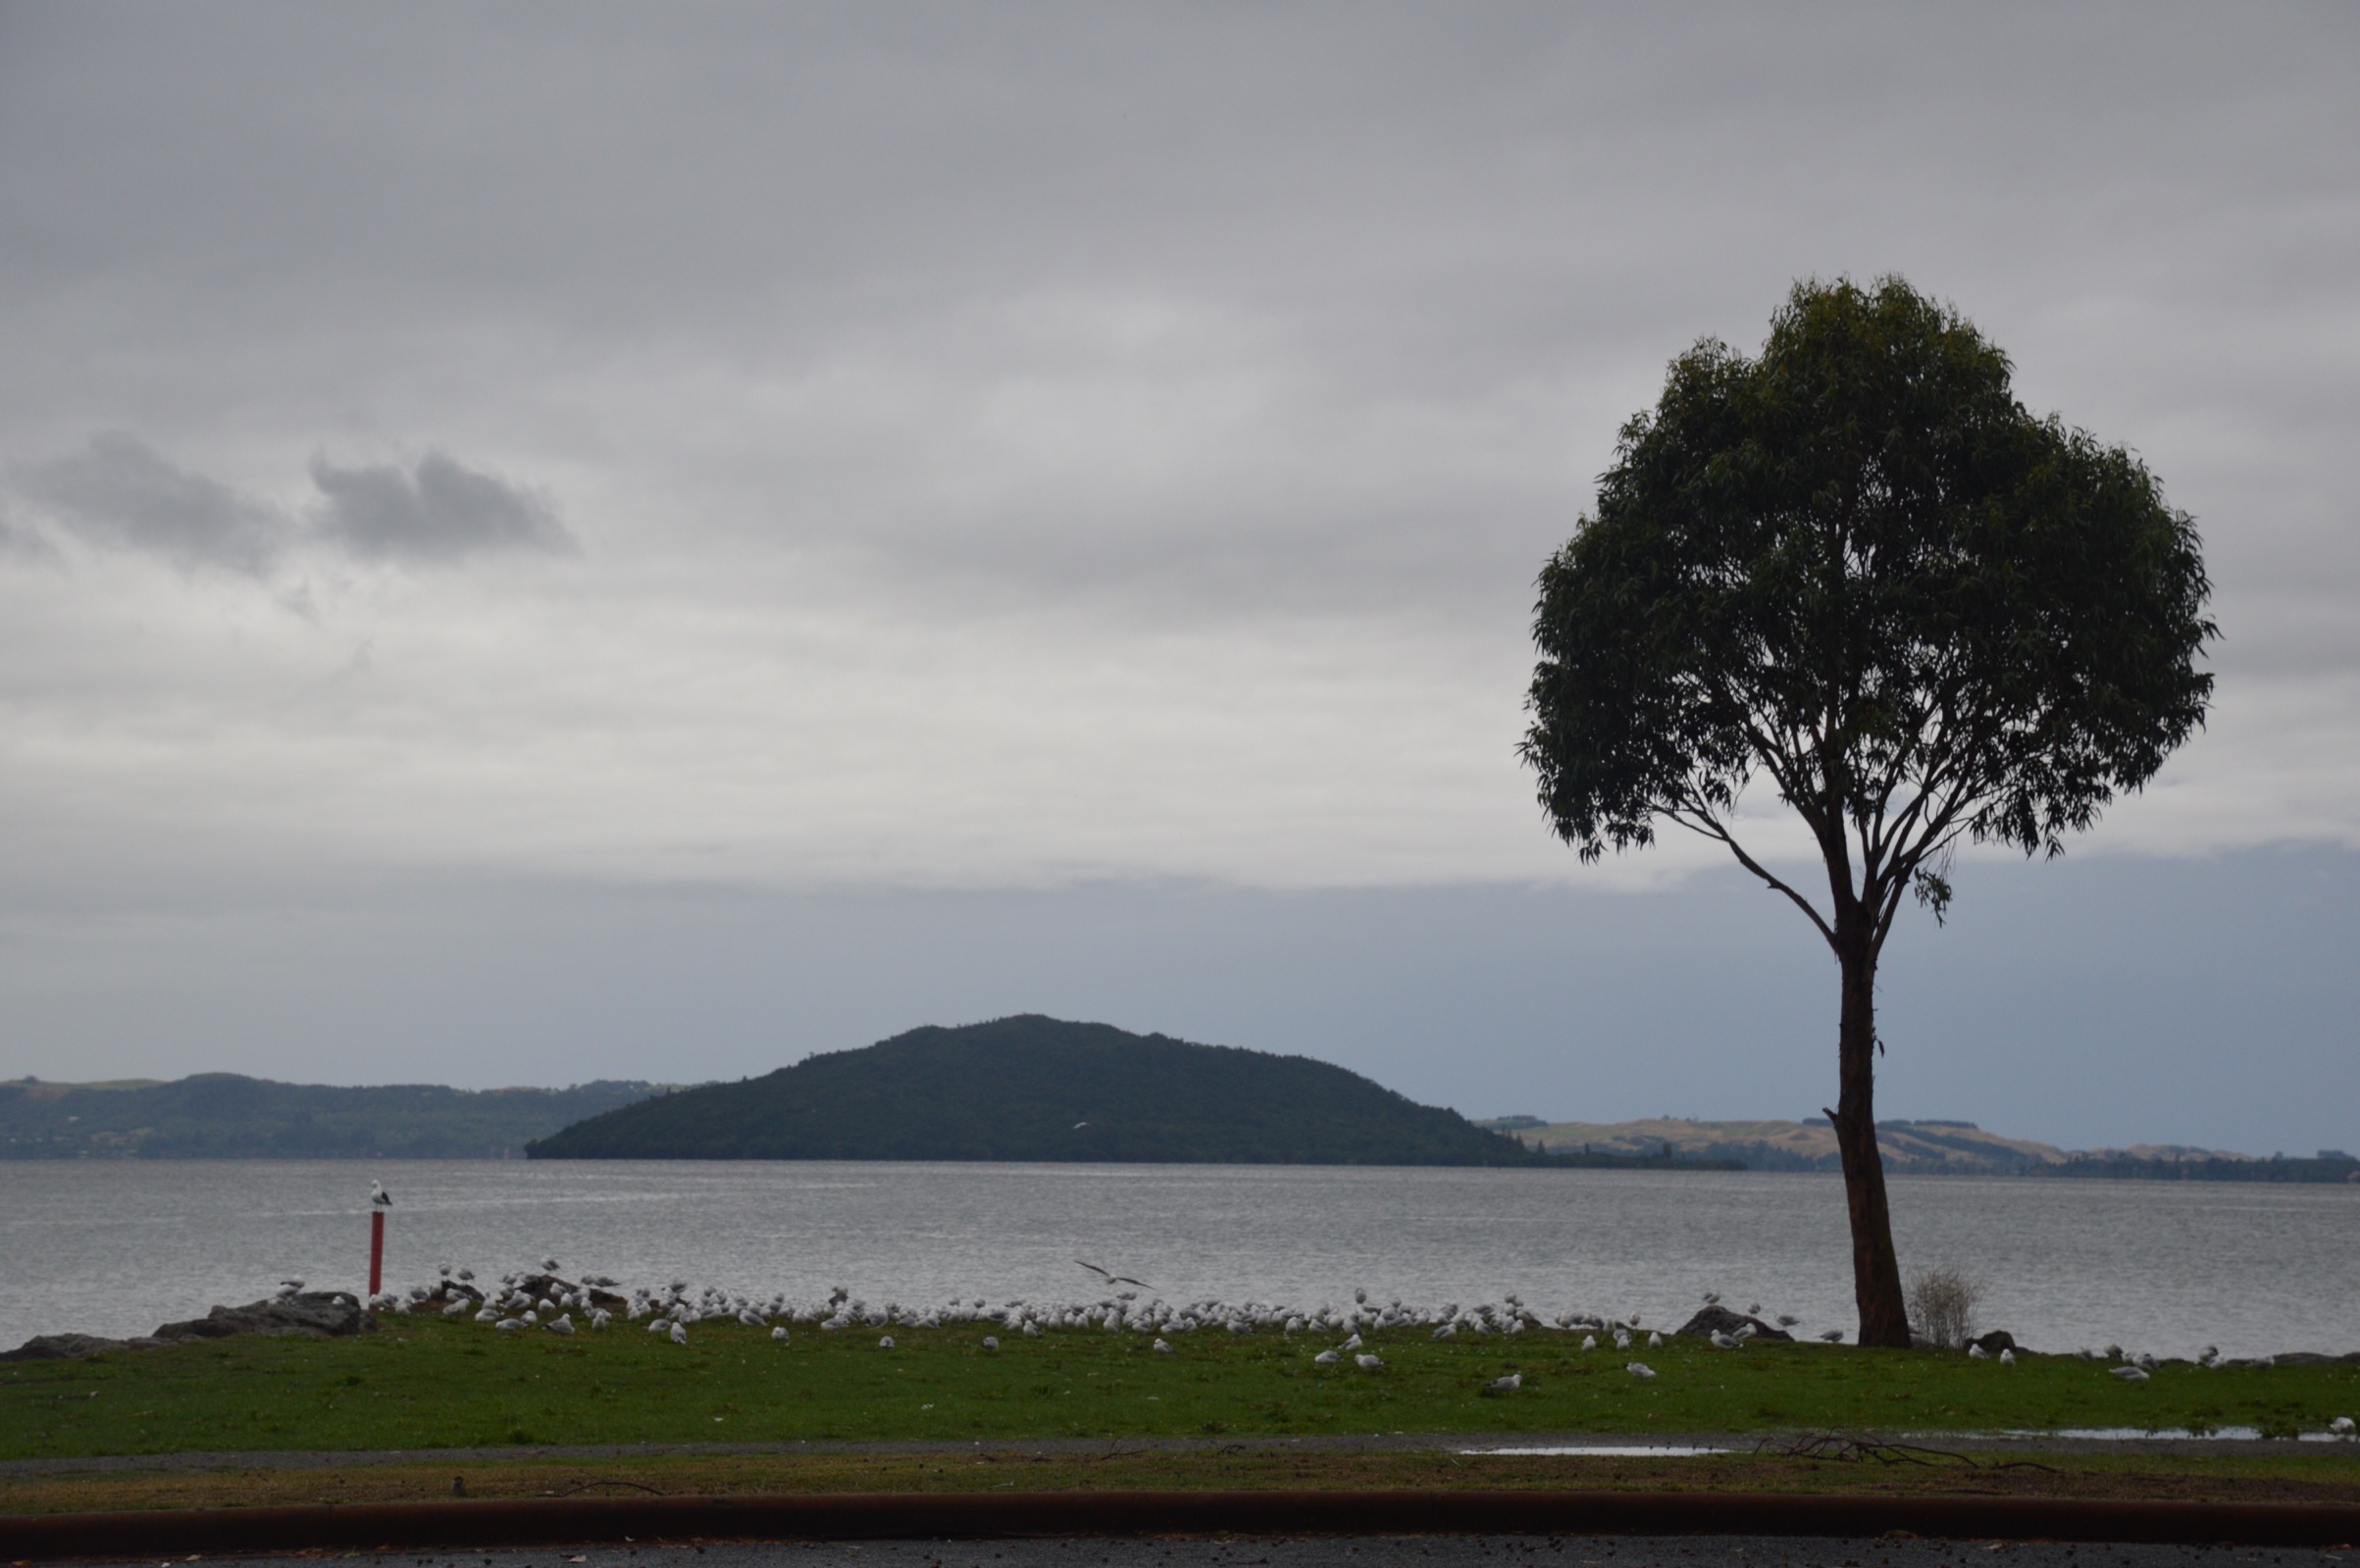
{"points": [[436, 510], [119, 492]]}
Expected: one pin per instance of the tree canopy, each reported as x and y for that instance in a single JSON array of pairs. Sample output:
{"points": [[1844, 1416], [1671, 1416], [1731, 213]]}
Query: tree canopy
{"points": [[1855, 566], [1859, 567]]}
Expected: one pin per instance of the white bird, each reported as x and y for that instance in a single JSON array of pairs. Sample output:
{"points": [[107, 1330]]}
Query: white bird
{"points": [[379, 1197], [1654, 1342], [2341, 1426], [1622, 1339], [1353, 1344], [1326, 1358], [549, 1264], [509, 1324], [885, 1341], [1725, 1342], [991, 1341], [456, 1307], [563, 1325], [1640, 1369], [2007, 1358], [1507, 1384], [1833, 1335], [1711, 1299], [2129, 1374], [1369, 1363], [679, 1332], [1032, 1330], [532, 1317], [1787, 1320], [1160, 1346], [1975, 1352], [1589, 1341], [1754, 1311], [779, 1334], [659, 1325]]}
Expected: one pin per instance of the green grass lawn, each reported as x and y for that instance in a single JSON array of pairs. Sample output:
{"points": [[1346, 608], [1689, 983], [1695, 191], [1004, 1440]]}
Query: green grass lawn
{"points": [[427, 1383]]}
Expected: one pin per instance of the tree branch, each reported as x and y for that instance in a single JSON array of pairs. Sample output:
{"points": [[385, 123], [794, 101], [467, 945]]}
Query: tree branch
{"points": [[1699, 819]]}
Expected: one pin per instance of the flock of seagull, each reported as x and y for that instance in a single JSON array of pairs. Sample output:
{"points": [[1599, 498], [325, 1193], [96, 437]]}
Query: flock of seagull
{"points": [[528, 1299], [542, 1300]]}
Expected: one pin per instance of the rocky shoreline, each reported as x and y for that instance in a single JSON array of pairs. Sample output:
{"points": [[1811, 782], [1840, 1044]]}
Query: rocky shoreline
{"points": [[312, 1314]]}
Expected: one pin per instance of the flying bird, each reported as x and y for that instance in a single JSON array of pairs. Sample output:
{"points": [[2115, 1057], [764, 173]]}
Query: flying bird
{"points": [[1112, 1278]]}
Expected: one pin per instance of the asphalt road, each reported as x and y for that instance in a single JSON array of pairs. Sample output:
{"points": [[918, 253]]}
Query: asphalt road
{"points": [[1372, 1552]]}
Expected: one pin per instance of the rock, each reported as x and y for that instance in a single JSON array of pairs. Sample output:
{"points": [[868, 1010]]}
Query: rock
{"points": [[317, 1314], [2303, 1358], [1996, 1340], [1720, 1319], [70, 1347], [539, 1286]]}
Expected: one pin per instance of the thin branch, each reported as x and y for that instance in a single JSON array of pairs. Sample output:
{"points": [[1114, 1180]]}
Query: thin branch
{"points": [[1698, 819]]}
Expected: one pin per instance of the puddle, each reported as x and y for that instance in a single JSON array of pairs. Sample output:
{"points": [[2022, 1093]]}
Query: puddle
{"points": [[2169, 1435]]}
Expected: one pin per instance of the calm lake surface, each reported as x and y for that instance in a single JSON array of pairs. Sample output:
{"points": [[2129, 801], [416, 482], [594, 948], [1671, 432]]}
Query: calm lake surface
{"points": [[118, 1246]]}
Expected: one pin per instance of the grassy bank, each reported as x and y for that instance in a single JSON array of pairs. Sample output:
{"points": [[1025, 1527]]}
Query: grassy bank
{"points": [[426, 1382]]}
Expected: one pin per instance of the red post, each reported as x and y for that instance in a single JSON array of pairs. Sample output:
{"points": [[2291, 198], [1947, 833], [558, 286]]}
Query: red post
{"points": [[377, 1250]]}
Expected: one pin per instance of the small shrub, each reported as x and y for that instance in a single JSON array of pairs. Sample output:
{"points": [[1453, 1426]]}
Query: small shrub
{"points": [[1941, 1306]]}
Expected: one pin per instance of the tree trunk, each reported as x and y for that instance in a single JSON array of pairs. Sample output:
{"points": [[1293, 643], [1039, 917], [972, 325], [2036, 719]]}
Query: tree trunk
{"points": [[1876, 1267]]}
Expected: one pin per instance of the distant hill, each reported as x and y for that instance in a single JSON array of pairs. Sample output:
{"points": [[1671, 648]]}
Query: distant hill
{"points": [[224, 1116], [1038, 1089], [1918, 1149]]}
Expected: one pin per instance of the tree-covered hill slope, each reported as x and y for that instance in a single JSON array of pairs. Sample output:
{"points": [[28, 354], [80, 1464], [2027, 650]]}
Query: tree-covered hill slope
{"points": [[1038, 1089], [226, 1116]]}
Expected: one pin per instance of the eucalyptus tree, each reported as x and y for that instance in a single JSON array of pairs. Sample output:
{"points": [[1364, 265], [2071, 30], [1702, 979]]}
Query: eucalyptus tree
{"points": [[1855, 567]]}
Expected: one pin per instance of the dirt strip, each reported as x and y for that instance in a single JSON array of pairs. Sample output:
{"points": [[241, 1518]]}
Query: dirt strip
{"points": [[216, 1532]]}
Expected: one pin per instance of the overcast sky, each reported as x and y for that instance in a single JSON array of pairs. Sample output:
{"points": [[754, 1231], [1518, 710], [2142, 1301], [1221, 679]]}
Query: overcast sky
{"points": [[541, 542]]}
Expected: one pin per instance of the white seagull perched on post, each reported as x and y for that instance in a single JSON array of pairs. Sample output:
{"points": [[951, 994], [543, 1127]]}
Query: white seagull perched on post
{"points": [[379, 1197]]}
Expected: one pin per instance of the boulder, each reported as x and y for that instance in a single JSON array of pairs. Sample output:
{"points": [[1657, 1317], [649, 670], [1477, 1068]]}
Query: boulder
{"points": [[1720, 1318], [1996, 1340], [70, 1347], [317, 1314], [550, 1285]]}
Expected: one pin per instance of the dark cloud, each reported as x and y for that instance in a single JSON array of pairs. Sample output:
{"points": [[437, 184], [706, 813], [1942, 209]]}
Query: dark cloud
{"points": [[119, 493], [437, 510]]}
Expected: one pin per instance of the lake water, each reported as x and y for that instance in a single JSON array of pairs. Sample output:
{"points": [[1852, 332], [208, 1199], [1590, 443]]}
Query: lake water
{"points": [[115, 1247]]}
